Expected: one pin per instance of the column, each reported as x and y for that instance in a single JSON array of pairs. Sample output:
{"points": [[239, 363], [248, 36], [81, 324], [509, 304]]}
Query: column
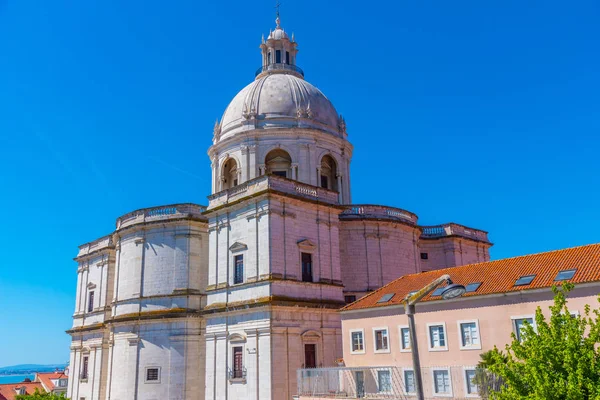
{"points": [[340, 189], [295, 171]]}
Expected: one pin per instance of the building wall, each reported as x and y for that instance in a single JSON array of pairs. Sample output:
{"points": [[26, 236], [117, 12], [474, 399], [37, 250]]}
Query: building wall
{"points": [[273, 349], [451, 252], [374, 253], [493, 314], [176, 347]]}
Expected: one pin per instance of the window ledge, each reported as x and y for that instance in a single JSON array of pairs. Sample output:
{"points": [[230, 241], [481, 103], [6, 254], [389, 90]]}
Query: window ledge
{"points": [[237, 380], [470, 347]]}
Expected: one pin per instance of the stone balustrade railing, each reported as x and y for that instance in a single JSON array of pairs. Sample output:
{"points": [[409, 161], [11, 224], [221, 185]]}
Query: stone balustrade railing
{"points": [[98, 244], [358, 211], [174, 211], [272, 182], [452, 229]]}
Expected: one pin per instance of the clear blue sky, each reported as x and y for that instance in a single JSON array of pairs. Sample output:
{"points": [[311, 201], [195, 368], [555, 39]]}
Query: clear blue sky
{"points": [[485, 113]]}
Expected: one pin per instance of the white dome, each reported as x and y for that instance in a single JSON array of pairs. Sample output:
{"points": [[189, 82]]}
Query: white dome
{"points": [[279, 100]]}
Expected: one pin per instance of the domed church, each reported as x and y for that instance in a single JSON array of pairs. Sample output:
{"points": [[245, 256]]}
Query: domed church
{"points": [[228, 300]]}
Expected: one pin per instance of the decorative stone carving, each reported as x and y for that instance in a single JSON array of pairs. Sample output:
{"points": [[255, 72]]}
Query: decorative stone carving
{"points": [[238, 246], [307, 245], [342, 125], [216, 131]]}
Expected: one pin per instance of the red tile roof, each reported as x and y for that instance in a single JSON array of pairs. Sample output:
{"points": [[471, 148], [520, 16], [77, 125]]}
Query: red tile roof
{"points": [[46, 379], [8, 391], [496, 276]]}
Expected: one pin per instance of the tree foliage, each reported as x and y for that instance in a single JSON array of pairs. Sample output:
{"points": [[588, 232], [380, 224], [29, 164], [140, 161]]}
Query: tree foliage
{"points": [[41, 395], [487, 382], [559, 359]]}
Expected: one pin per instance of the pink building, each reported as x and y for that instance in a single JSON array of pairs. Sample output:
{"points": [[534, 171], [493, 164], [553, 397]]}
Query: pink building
{"points": [[452, 334]]}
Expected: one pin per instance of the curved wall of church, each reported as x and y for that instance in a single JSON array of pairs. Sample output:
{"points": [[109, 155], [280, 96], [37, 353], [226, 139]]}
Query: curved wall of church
{"points": [[174, 347], [375, 252], [305, 147], [160, 266]]}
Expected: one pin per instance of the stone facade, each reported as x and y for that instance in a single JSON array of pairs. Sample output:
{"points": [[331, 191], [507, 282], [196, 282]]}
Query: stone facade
{"points": [[228, 301]]}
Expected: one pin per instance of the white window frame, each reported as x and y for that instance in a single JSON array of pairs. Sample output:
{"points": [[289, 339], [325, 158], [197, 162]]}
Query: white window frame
{"points": [[389, 371], [466, 388], [441, 348], [234, 254], [389, 344], [460, 332], [146, 374], [404, 382], [362, 332], [402, 349], [514, 323], [433, 371]]}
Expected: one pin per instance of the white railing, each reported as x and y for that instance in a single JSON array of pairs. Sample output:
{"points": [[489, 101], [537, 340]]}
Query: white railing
{"points": [[379, 212], [274, 183], [452, 229], [173, 211]]}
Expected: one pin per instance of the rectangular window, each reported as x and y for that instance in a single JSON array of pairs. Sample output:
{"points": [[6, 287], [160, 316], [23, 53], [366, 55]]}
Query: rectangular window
{"points": [[469, 334], [90, 301], [384, 381], [238, 276], [424, 256], [350, 299], [84, 368], [409, 381], [287, 57], [520, 325], [381, 340], [310, 356], [324, 182], [238, 362], [357, 340], [441, 382], [307, 275], [470, 382], [283, 174], [404, 338], [437, 337], [152, 375], [278, 56]]}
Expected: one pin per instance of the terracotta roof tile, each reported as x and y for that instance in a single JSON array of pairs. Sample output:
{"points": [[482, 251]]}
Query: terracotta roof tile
{"points": [[46, 379], [8, 391], [497, 276]]}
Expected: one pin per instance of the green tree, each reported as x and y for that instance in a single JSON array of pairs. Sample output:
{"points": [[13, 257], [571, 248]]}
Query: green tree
{"points": [[560, 359], [42, 396], [487, 382]]}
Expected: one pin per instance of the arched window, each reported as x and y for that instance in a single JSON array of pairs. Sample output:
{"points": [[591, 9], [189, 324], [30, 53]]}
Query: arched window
{"points": [[229, 177], [279, 162], [328, 178]]}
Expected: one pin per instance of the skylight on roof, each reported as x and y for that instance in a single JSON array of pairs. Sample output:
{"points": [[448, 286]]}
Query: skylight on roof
{"points": [[385, 298], [524, 280], [472, 287], [565, 275], [438, 291]]}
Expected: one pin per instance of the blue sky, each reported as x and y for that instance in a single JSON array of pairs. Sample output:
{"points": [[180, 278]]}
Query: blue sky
{"points": [[485, 113]]}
